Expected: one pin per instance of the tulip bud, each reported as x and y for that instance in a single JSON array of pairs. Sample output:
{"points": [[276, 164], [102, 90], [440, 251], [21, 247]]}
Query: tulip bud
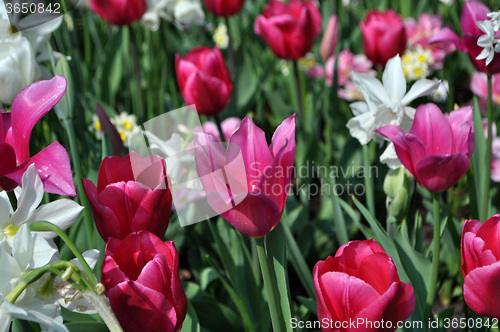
{"points": [[329, 40], [398, 186]]}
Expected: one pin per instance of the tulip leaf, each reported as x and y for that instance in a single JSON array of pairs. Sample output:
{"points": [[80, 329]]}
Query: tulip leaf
{"points": [[64, 109], [87, 326], [19, 325], [191, 323], [478, 165], [276, 256], [247, 83], [383, 239]]}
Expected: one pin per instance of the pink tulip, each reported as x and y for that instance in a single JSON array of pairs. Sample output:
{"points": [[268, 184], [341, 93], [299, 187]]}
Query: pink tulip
{"points": [[131, 196], [257, 200], [419, 32], [384, 36], [52, 163], [361, 283], [224, 8], [479, 86], [348, 63], [329, 40], [480, 250], [204, 80], [229, 126], [289, 28], [119, 12], [141, 278], [438, 147], [473, 11]]}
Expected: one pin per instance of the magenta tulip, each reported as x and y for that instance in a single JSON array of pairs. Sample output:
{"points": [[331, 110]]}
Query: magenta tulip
{"points": [[384, 36], [481, 265], [131, 196], [119, 12], [259, 186], [52, 163], [141, 278], [204, 80], [361, 284], [289, 28], [473, 11], [438, 147], [224, 8]]}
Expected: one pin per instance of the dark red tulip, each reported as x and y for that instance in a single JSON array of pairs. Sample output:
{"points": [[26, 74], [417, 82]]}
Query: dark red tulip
{"points": [[141, 278], [224, 8], [204, 80], [119, 12], [131, 196], [384, 36], [289, 28]]}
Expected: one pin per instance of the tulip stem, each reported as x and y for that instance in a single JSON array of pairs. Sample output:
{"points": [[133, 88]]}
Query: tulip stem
{"points": [[77, 166], [230, 50], [298, 88], [269, 286], [368, 181], [45, 226], [489, 114], [435, 256]]}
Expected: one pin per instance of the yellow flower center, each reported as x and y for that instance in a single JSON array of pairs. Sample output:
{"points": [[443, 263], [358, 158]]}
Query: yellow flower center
{"points": [[10, 230], [418, 72], [127, 125], [406, 58], [422, 58], [13, 30], [97, 125], [123, 136]]}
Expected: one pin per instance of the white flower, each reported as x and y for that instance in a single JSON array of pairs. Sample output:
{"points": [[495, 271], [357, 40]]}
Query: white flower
{"points": [[178, 11], [441, 94], [62, 213], [20, 52], [417, 63], [495, 20], [385, 102], [125, 124], [488, 41], [221, 37]]}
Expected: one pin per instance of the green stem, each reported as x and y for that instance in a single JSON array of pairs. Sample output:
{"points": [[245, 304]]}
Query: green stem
{"points": [[45, 226], [368, 181], [269, 287], [300, 104], [230, 50], [489, 115], [12, 199], [435, 256], [77, 166]]}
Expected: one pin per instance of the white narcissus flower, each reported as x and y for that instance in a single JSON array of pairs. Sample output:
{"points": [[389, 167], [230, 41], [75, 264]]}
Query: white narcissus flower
{"points": [[26, 252], [62, 213], [385, 103], [488, 41], [19, 53], [178, 11]]}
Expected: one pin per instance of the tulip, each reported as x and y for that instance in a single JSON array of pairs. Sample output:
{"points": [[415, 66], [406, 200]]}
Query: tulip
{"points": [[329, 40], [131, 196], [384, 36], [437, 149], [473, 11], [204, 80], [361, 282], [289, 28], [52, 163], [479, 86], [481, 266], [257, 200], [141, 278], [228, 127], [119, 12], [224, 8]]}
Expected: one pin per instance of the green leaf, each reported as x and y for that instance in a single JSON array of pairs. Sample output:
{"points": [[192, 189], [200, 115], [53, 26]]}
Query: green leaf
{"points": [[478, 164], [276, 256], [191, 323], [87, 326], [64, 109]]}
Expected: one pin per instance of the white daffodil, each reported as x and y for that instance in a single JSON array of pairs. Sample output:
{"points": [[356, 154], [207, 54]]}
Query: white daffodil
{"points": [[19, 53], [62, 213], [488, 41], [26, 252], [385, 102], [178, 11]]}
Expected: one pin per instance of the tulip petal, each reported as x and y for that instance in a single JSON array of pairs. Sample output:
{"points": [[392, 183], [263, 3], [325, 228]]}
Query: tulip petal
{"points": [[8, 155], [209, 94], [482, 290], [52, 164], [489, 232], [433, 128], [30, 105], [273, 36], [254, 149], [255, 216], [139, 308], [386, 274], [439, 172], [114, 169], [445, 35], [112, 274], [154, 275], [463, 130]]}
